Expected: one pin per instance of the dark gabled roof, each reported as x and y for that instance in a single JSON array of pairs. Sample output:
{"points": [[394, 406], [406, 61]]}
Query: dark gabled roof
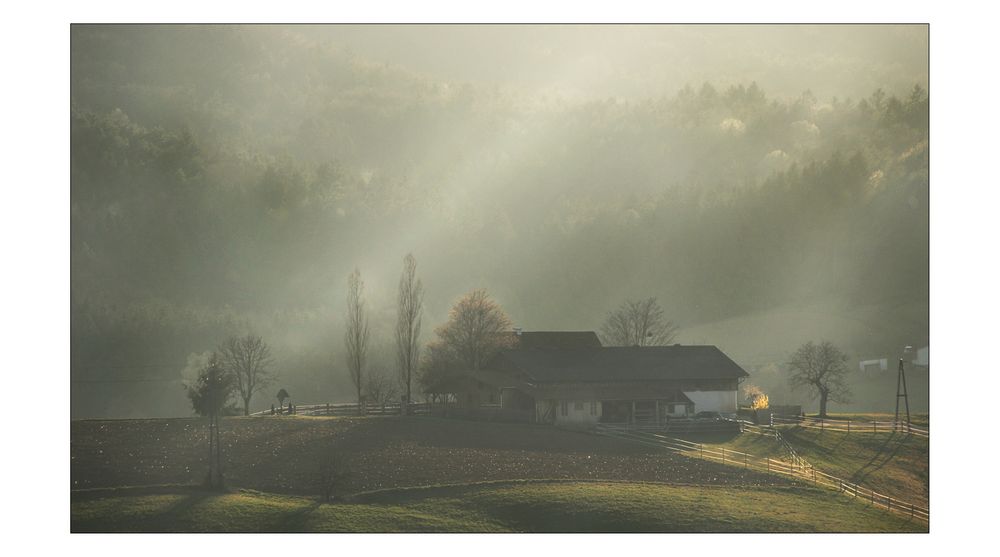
{"points": [[563, 340], [498, 379], [646, 363]]}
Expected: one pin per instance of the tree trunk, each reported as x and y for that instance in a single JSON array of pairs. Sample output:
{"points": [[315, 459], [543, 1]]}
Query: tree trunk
{"points": [[406, 403], [211, 451], [822, 404], [218, 452], [246, 406]]}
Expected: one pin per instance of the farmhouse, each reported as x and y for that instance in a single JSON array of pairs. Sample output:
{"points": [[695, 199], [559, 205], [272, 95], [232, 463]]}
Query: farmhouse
{"points": [[569, 378]]}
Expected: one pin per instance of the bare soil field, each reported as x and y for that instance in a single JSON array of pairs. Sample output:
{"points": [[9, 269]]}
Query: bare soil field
{"points": [[284, 454]]}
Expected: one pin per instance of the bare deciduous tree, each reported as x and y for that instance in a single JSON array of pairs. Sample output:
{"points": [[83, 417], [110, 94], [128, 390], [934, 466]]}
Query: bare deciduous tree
{"points": [[822, 369], [357, 334], [638, 323], [474, 329], [380, 387], [409, 306], [249, 359]]}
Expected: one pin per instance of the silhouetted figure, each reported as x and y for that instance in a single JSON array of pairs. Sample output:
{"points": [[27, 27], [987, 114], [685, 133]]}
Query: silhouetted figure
{"points": [[272, 409]]}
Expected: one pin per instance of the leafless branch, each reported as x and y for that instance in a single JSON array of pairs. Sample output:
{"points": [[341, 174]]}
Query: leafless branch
{"points": [[409, 311], [248, 359], [638, 323], [357, 333]]}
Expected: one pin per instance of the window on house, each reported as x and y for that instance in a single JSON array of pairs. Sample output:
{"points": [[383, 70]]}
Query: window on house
{"points": [[593, 408], [564, 408], [670, 409], [578, 405]]}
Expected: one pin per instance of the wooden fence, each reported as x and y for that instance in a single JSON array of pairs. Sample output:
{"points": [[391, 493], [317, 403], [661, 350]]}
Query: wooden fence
{"points": [[849, 426], [795, 467], [680, 426], [348, 409]]}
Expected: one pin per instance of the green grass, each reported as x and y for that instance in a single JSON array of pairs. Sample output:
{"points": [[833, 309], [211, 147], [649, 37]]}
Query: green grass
{"points": [[761, 446], [893, 464], [918, 420], [497, 507]]}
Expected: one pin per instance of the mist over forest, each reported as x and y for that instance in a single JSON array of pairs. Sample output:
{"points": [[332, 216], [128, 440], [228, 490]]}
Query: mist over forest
{"points": [[767, 184]]}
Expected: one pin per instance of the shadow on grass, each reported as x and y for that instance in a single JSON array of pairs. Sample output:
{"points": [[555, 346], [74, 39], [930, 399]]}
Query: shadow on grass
{"points": [[296, 520], [882, 456], [162, 519]]}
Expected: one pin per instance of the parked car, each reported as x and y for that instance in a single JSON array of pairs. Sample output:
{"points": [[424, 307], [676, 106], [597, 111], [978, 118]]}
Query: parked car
{"points": [[709, 416]]}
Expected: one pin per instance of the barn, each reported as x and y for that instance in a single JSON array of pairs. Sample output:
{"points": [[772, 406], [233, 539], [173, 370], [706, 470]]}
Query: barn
{"points": [[569, 378]]}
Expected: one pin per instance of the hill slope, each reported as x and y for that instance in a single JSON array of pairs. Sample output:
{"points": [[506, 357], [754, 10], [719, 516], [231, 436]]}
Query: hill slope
{"points": [[517, 507], [284, 455]]}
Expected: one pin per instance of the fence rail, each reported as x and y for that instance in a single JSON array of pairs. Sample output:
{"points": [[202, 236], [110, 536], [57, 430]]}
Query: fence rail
{"points": [[795, 467], [680, 426], [348, 409], [849, 426]]}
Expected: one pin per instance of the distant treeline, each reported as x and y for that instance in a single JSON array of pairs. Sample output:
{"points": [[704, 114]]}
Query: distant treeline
{"points": [[239, 192]]}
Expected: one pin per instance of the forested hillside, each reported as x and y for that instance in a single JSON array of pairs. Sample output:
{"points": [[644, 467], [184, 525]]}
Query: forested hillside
{"points": [[231, 178]]}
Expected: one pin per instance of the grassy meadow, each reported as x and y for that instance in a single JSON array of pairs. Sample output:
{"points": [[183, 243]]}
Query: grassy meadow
{"points": [[894, 464], [426, 474], [492, 507]]}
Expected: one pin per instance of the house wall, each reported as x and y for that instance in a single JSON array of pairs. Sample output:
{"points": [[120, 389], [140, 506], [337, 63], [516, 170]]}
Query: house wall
{"points": [[574, 417], [713, 401], [680, 409]]}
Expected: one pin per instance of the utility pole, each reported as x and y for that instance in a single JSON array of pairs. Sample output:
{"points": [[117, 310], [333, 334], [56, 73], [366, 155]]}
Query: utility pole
{"points": [[901, 393]]}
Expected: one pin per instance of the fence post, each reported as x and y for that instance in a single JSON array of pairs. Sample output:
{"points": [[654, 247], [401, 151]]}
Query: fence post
{"points": [[723, 455], [701, 448], [821, 425], [746, 463], [848, 426], [875, 425]]}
